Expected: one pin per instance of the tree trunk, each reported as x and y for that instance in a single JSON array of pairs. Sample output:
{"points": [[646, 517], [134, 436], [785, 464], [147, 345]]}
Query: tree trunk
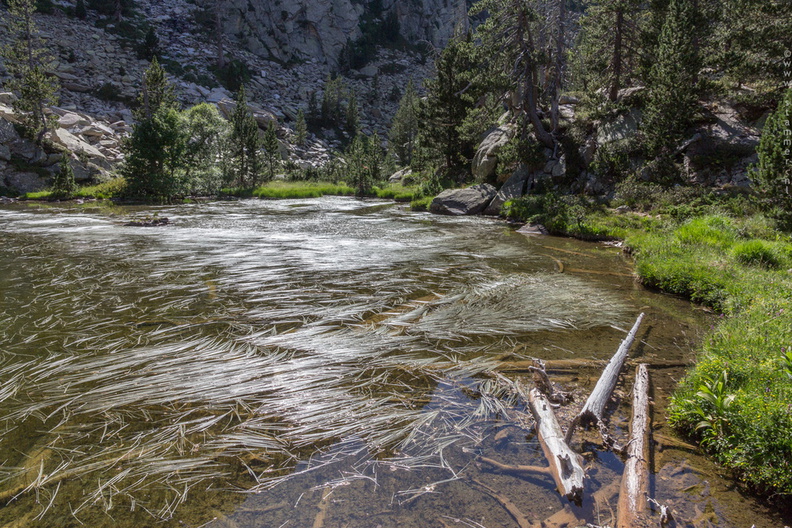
{"points": [[530, 103], [565, 465], [559, 62], [616, 63], [594, 409], [632, 505]]}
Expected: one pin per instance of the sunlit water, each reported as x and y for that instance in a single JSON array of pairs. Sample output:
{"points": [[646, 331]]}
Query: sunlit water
{"points": [[312, 363]]}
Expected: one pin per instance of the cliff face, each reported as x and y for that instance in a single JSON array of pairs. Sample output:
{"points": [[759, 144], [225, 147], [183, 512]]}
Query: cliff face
{"points": [[318, 29]]}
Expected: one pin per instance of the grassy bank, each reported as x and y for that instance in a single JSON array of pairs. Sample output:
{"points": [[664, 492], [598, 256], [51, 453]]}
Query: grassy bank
{"points": [[103, 191], [737, 400]]}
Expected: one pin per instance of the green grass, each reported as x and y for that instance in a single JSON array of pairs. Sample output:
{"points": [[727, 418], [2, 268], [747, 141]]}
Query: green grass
{"points": [[737, 400], [421, 204], [292, 190], [398, 193], [103, 191]]}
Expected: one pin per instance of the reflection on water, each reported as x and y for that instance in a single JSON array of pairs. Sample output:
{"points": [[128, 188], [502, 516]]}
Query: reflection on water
{"points": [[326, 353]]}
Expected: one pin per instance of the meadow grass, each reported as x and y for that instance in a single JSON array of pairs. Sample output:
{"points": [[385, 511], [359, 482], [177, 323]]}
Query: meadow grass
{"points": [[102, 191], [291, 190], [737, 400]]}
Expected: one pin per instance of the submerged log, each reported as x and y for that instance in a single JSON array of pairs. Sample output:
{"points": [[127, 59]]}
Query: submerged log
{"points": [[632, 505], [565, 465], [594, 409], [565, 365]]}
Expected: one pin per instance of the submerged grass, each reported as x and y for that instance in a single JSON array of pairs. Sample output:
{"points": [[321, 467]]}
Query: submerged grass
{"points": [[739, 267]]}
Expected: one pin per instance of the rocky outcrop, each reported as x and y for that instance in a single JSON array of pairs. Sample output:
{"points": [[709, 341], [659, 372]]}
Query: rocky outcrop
{"points": [[486, 159], [299, 30], [459, 202], [514, 188]]}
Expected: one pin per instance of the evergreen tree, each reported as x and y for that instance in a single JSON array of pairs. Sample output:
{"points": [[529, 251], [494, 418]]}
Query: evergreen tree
{"points": [[25, 60], [608, 45], [673, 81], [352, 122], [153, 166], [149, 49], [271, 149], [63, 185], [773, 173], [79, 10], [157, 92], [404, 127], [448, 101], [300, 128], [245, 143], [357, 165]]}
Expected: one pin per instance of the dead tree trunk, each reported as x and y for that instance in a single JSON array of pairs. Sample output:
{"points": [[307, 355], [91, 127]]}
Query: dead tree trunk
{"points": [[565, 465], [594, 409], [632, 505]]}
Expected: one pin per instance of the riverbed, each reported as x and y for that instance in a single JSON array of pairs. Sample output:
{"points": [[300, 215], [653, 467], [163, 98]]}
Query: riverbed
{"points": [[318, 363]]}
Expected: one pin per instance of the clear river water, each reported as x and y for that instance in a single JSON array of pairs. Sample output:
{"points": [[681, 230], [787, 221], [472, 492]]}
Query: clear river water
{"points": [[319, 363]]}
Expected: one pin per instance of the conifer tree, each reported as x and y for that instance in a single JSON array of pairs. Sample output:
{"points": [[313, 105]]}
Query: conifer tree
{"points": [[301, 128], [63, 185], [25, 59], [245, 143], [271, 149], [79, 10], [773, 173], [153, 166], [404, 127], [673, 81], [352, 116]]}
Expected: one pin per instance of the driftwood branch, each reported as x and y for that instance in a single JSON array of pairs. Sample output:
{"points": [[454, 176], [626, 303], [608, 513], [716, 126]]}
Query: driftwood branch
{"points": [[543, 383], [519, 469], [594, 409], [565, 465], [518, 516], [632, 505]]}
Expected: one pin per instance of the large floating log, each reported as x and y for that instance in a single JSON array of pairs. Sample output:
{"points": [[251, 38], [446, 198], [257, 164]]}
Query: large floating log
{"points": [[565, 465], [632, 506], [594, 408]]}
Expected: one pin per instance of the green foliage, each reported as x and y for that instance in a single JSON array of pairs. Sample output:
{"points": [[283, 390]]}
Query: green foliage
{"points": [[375, 30], [352, 120], [206, 132], [244, 159], [79, 10], [363, 163], [150, 47], [405, 124], [756, 253], [712, 406], [300, 128], [233, 75], [271, 149], [63, 185], [673, 80], [157, 92], [292, 190], [773, 173], [26, 59]]}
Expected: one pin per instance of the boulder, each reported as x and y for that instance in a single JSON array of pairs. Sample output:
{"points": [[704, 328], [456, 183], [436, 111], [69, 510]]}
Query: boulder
{"points": [[7, 114], [7, 98], [5, 152], [25, 182], [397, 177], [532, 230], [459, 202], [262, 115], [513, 188], [486, 158], [74, 144], [623, 127], [8, 133], [69, 120]]}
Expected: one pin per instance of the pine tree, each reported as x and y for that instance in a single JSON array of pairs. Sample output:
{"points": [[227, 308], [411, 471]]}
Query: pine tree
{"points": [[79, 10], [271, 149], [352, 122], [149, 49], [773, 173], [25, 59], [405, 125], [245, 143], [153, 166], [357, 165], [673, 81], [63, 185], [157, 92], [301, 128]]}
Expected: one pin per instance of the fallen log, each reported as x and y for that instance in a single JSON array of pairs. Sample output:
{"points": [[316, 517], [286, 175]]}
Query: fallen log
{"points": [[519, 469], [564, 365], [542, 382], [565, 465], [632, 505], [594, 408]]}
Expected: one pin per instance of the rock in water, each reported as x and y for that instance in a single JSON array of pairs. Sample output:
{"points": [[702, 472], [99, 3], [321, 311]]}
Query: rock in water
{"points": [[459, 202], [513, 188]]}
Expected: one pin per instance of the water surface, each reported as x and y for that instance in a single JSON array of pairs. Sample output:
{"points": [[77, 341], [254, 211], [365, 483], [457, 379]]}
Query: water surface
{"points": [[312, 363]]}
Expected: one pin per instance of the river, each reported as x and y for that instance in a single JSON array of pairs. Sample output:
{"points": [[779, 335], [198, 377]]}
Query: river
{"points": [[316, 363]]}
